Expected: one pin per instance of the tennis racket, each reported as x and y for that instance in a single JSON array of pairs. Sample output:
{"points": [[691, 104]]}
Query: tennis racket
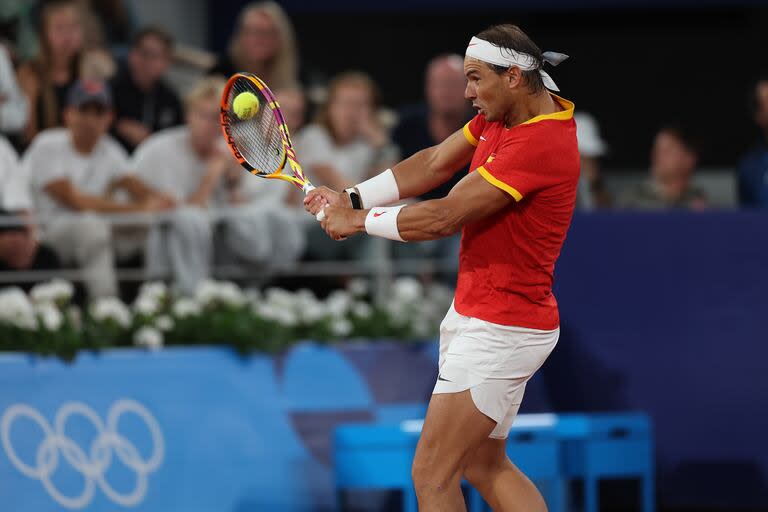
{"points": [[260, 141]]}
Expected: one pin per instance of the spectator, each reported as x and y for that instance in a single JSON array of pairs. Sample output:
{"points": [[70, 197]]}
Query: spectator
{"points": [[347, 143], [144, 104], [591, 193], [445, 112], [19, 248], [673, 160], [97, 64], [293, 104], [263, 44], [192, 164], [14, 108], [79, 171], [753, 168], [47, 77]]}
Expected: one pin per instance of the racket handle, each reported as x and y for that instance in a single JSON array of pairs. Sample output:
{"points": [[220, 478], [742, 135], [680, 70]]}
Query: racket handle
{"points": [[307, 189]]}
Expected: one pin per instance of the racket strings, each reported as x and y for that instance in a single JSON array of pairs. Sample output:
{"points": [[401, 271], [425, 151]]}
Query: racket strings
{"points": [[259, 138]]}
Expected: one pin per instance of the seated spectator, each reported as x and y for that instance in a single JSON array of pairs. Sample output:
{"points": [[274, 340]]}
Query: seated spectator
{"points": [[46, 79], [192, 164], [14, 107], [144, 104], [75, 173], [591, 193], [753, 168], [347, 143], [673, 160], [19, 248], [445, 112], [263, 44]]}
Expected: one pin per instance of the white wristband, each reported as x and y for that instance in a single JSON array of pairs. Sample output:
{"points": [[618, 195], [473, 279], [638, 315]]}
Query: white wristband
{"points": [[379, 190], [382, 221]]}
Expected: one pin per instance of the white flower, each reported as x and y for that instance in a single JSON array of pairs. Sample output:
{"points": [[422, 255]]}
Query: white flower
{"points": [[341, 327], [148, 337], [55, 290], [338, 303], [253, 296], [284, 317], [362, 310], [358, 287], [279, 298], [186, 307], [312, 312], [49, 315], [111, 308], [16, 309], [206, 292], [155, 290], [407, 289], [164, 323], [146, 305], [210, 292]]}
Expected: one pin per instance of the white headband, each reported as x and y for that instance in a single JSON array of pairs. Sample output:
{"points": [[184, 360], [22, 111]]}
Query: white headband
{"points": [[481, 49]]}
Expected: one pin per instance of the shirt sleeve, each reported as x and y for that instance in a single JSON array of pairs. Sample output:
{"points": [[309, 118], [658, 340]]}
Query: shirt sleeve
{"points": [[517, 169], [14, 109], [474, 128]]}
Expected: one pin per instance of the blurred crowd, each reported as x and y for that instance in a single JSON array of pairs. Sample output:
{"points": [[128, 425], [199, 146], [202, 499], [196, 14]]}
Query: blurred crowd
{"points": [[90, 128]]}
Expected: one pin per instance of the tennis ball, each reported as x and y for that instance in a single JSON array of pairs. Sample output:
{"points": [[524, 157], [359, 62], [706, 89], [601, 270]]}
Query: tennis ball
{"points": [[246, 105]]}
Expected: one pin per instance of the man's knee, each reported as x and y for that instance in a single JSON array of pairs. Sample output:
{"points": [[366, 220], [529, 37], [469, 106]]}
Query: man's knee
{"points": [[191, 222], [91, 234], [430, 475]]}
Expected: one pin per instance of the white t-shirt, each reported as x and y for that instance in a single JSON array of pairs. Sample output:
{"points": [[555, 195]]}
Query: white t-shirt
{"points": [[167, 162], [314, 146], [52, 157], [14, 189]]}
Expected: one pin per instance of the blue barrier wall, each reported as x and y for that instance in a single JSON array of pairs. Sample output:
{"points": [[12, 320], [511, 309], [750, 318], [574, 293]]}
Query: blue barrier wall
{"points": [[661, 313], [666, 313]]}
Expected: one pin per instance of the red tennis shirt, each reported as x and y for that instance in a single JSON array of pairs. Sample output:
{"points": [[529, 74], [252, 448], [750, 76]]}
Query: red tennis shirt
{"points": [[507, 261]]}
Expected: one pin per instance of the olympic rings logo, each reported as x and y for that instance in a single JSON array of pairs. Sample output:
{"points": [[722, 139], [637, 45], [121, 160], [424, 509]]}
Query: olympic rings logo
{"points": [[95, 463]]}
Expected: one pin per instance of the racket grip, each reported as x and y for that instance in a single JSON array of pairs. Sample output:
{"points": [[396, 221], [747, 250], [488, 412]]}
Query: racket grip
{"points": [[320, 215]]}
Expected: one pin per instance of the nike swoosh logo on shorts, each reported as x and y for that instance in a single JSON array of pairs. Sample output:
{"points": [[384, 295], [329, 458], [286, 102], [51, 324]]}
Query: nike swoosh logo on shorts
{"points": [[440, 377], [482, 138]]}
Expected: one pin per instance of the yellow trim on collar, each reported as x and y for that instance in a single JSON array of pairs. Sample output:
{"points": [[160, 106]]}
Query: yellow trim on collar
{"points": [[468, 135], [562, 115], [499, 184]]}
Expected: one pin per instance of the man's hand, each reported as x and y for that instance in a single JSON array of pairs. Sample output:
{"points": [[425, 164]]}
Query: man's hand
{"points": [[133, 131], [341, 223], [321, 197]]}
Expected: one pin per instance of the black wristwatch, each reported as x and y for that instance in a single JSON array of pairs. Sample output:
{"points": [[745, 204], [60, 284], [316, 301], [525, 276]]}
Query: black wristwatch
{"points": [[354, 198]]}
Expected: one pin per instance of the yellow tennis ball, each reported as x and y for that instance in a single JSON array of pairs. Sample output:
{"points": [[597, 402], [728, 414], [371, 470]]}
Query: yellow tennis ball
{"points": [[246, 105]]}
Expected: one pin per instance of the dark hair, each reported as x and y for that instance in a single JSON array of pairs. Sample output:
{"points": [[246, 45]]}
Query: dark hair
{"points": [[512, 37], [682, 135], [752, 98], [155, 31]]}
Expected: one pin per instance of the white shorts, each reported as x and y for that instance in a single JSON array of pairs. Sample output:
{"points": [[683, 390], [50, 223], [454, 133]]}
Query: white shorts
{"points": [[493, 361]]}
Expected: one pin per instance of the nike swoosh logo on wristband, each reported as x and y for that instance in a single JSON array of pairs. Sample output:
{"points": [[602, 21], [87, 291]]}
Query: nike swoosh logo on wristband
{"points": [[378, 214]]}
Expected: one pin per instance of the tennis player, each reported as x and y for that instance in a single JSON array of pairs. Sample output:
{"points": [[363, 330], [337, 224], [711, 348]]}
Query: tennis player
{"points": [[514, 208]]}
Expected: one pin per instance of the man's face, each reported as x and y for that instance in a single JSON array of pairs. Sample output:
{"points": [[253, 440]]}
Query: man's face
{"points": [[671, 161], [487, 90], [88, 122], [445, 86], [203, 122], [761, 100], [149, 60]]}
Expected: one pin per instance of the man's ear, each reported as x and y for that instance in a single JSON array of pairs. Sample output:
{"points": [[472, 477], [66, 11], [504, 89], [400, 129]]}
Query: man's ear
{"points": [[514, 77]]}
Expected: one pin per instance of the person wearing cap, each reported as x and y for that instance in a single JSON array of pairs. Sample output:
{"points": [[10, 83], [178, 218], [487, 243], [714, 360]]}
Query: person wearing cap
{"points": [[592, 147], [78, 172], [514, 209]]}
